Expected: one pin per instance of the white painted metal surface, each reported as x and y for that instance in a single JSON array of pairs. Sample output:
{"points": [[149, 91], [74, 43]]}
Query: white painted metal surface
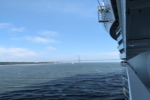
{"points": [[137, 89]]}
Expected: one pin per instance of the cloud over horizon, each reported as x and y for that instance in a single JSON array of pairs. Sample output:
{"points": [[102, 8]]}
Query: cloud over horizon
{"points": [[40, 39], [11, 27], [47, 32], [51, 48], [20, 29], [17, 52], [5, 25]]}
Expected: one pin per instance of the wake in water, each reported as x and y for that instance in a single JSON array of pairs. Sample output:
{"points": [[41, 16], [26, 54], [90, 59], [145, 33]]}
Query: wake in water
{"points": [[80, 87]]}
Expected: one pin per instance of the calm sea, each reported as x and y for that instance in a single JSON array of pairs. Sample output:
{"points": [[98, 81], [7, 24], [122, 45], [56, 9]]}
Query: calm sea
{"points": [[78, 81]]}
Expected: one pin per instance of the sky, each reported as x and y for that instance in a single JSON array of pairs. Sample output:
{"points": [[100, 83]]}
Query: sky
{"points": [[53, 30]]}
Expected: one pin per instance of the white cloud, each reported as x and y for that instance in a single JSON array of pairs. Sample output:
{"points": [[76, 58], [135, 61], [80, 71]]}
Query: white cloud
{"points": [[16, 52], [37, 39], [20, 29], [47, 32], [50, 48], [11, 27], [5, 25], [41, 40]]}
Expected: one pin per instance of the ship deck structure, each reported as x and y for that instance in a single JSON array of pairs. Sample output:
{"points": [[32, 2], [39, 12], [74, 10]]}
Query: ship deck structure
{"points": [[128, 22]]}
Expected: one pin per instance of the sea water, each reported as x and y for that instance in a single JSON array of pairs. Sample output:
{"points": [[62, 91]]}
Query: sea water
{"points": [[63, 81]]}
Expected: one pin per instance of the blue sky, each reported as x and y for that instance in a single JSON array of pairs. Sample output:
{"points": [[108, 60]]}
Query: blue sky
{"points": [[53, 30]]}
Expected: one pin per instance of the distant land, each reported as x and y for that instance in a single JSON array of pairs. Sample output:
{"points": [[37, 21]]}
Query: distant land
{"points": [[12, 63]]}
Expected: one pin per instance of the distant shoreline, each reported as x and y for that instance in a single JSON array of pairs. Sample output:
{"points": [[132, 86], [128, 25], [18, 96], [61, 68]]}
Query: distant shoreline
{"points": [[14, 63]]}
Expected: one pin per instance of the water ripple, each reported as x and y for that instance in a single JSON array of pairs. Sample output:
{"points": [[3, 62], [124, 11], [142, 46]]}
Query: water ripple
{"points": [[80, 87]]}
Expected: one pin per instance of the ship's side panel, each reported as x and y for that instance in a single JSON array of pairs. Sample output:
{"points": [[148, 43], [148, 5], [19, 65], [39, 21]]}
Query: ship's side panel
{"points": [[131, 29], [137, 26], [138, 37], [134, 22], [121, 6], [140, 66]]}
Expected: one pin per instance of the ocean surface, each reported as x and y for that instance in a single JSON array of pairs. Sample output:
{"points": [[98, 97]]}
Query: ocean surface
{"points": [[78, 81]]}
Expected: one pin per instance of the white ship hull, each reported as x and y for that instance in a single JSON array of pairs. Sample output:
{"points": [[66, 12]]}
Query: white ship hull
{"points": [[128, 22]]}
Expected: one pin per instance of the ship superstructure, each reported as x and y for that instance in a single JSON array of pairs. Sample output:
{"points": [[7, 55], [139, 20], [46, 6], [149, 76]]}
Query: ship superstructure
{"points": [[128, 22]]}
